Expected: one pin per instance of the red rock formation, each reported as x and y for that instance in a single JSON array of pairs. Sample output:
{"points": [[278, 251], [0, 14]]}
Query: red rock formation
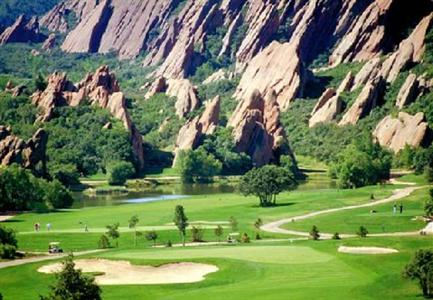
{"points": [[27, 154], [276, 68], [364, 39], [191, 133], [49, 43], [257, 130], [326, 108], [22, 31], [56, 18], [409, 51], [366, 101], [408, 92], [396, 133], [182, 89], [101, 88]]}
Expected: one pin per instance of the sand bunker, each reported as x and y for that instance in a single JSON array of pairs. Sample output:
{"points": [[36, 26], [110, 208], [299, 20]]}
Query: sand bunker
{"points": [[366, 250], [122, 272]]}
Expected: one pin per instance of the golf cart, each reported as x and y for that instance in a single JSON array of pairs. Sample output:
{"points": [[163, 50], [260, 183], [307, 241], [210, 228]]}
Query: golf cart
{"points": [[54, 247]]}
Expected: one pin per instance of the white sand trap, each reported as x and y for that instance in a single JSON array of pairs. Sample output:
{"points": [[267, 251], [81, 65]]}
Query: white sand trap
{"points": [[366, 250], [122, 272]]}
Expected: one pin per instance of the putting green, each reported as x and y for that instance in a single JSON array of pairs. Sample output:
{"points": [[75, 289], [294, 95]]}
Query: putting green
{"points": [[263, 254]]}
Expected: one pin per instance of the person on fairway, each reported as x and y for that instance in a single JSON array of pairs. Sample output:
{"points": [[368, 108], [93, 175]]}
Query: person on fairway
{"points": [[401, 208], [49, 226], [394, 209]]}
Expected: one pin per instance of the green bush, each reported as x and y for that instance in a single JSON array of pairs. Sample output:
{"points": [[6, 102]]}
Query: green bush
{"points": [[197, 166], [314, 233], [361, 163], [57, 195], [362, 232], [119, 172], [7, 251], [103, 242], [197, 234], [245, 238]]}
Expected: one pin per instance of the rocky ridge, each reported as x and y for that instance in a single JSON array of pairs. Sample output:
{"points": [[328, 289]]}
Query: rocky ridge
{"points": [[25, 153], [100, 88]]}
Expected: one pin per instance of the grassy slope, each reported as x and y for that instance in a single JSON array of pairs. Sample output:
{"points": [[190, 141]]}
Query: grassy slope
{"points": [[299, 271], [382, 221], [198, 208]]}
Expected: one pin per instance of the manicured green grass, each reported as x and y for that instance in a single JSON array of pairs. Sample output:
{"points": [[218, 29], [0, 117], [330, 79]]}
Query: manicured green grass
{"points": [[214, 208], [384, 220], [302, 270], [418, 179]]}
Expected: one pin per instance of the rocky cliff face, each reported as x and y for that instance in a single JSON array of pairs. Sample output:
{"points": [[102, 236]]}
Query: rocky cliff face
{"points": [[22, 31], [25, 153], [100, 88]]}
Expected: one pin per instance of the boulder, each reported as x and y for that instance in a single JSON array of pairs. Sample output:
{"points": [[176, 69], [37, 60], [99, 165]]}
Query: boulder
{"points": [[396, 133], [22, 31], [214, 77], [368, 99], [368, 72], [27, 154], [408, 92], [277, 68]]}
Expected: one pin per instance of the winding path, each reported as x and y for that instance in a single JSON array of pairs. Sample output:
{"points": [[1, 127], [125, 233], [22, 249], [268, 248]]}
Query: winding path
{"points": [[275, 227], [18, 262]]}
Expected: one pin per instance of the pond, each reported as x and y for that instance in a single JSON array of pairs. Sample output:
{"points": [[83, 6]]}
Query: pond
{"points": [[315, 181]]}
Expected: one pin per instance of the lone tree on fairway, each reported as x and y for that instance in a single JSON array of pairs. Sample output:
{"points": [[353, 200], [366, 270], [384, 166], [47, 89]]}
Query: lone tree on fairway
{"points": [[314, 233], [103, 242], [362, 232], [151, 236], [266, 183], [132, 223], [181, 221], [72, 284], [219, 231], [428, 206], [113, 232], [421, 269]]}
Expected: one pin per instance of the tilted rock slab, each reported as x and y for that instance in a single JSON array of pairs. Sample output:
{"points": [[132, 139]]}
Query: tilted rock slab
{"points": [[277, 68], [396, 133], [408, 92], [22, 31], [364, 103]]}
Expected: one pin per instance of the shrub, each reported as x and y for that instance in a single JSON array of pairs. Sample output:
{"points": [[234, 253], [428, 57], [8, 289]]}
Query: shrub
{"points": [[57, 195], [120, 172], [362, 232], [169, 244], [314, 233], [103, 242], [72, 284], [258, 237], [7, 251], [421, 268], [151, 236], [197, 166], [336, 236], [245, 238], [197, 234]]}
